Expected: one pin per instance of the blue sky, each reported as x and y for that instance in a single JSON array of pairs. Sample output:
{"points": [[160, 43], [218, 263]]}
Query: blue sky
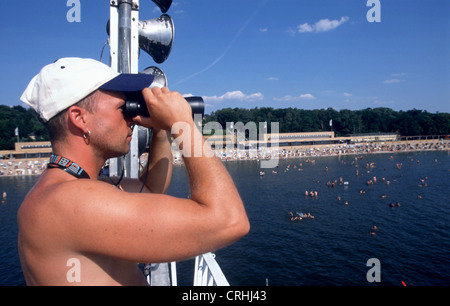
{"points": [[309, 54]]}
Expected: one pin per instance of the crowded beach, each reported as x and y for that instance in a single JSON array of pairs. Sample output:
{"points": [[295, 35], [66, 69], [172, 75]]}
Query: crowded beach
{"points": [[20, 167], [328, 150]]}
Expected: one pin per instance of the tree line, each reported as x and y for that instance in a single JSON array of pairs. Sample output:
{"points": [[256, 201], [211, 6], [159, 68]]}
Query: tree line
{"points": [[27, 123], [344, 122]]}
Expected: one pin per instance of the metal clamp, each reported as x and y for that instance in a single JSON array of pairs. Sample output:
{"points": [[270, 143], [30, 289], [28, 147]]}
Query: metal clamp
{"points": [[134, 3]]}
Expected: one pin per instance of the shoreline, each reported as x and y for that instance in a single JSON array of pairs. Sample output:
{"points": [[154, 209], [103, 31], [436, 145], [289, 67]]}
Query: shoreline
{"points": [[35, 166], [313, 151]]}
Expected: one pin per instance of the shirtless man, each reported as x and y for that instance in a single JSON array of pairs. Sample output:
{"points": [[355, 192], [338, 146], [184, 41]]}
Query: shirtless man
{"points": [[107, 230]]}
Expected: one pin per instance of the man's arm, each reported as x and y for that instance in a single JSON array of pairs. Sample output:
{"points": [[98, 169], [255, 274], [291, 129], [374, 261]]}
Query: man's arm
{"points": [[100, 219], [157, 178]]}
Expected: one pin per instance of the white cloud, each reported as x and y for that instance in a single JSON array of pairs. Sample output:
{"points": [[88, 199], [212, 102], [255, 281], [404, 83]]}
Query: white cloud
{"points": [[322, 25], [303, 28], [272, 79], [306, 97], [297, 98], [396, 78], [392, 81], [264, 30], [346, 94], [235, 95]]}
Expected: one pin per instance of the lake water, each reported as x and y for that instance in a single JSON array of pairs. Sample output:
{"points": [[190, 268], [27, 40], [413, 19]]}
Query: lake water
{"points": [[412, 242]]}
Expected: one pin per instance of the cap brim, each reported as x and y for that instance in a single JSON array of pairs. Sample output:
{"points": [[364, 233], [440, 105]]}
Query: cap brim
{"points": [[129, 82]]}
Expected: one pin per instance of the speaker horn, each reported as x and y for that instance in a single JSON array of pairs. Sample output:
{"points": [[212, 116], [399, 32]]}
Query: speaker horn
{"points": [[156, 37], [160, 79], [164, 5]]}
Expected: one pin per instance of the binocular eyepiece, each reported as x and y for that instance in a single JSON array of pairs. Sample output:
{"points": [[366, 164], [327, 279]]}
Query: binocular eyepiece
{"points": [[135, 105]]}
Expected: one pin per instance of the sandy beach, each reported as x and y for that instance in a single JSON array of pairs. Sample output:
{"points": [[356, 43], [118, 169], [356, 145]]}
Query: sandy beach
{"points": [[329, 150], [361, 148], [18, 167]]}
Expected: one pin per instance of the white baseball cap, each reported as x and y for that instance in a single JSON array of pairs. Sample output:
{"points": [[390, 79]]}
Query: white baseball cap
{"points": [[69, 80]]}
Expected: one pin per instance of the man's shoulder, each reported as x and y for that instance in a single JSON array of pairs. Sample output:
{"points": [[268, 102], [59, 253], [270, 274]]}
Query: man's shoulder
{"points": [[82, 191], [58, 205], [53, 193]]}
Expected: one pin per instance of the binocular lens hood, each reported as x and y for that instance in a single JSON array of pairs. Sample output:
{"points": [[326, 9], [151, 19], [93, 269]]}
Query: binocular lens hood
{"points": [[135, 105]]}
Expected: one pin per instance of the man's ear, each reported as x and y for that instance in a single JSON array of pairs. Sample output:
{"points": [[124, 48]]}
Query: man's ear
{"points": [[77, 117]]}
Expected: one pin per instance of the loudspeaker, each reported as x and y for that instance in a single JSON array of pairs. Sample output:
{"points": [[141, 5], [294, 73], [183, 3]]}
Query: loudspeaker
{"points": [[164, 5], [156, 37], [160, 79]]}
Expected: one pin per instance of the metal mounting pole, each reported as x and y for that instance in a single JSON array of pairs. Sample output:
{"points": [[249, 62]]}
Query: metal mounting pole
{"points": [[124, 46], [124, 52], [124, 36]]}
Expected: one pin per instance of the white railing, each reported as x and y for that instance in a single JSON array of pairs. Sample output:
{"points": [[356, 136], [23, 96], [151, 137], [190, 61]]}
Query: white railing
{"points": [[207, 271]]}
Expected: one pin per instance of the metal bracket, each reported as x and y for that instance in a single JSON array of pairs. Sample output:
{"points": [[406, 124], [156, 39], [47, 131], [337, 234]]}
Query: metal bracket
{"points": [[134, 3]]}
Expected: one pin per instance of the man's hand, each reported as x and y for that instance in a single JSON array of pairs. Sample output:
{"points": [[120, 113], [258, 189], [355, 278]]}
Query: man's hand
{"points": [[165, 109]]}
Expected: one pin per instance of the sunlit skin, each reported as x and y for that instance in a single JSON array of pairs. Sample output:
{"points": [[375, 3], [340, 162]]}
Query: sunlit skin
{"points": [[107, 229]]}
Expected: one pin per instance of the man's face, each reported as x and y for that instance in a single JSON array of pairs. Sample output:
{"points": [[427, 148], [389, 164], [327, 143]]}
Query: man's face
{"points": [[111, 130]]}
